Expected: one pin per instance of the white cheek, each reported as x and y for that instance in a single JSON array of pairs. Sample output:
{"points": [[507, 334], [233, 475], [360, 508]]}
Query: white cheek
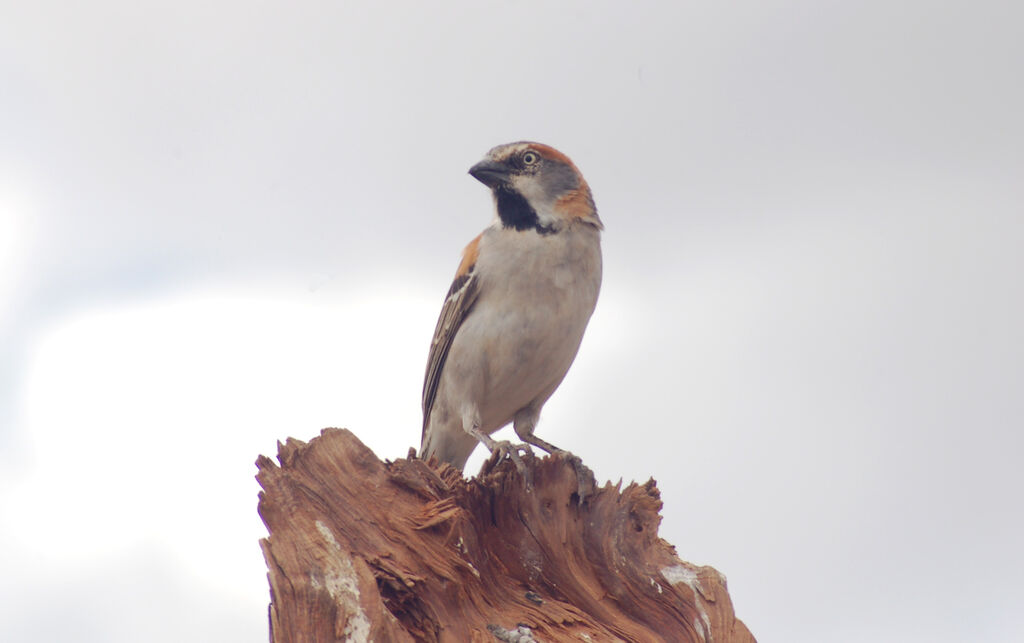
{"points": [[531, 189]]}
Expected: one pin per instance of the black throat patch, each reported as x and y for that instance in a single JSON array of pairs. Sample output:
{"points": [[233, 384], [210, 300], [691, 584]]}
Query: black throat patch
{"points": [[516, 212]]}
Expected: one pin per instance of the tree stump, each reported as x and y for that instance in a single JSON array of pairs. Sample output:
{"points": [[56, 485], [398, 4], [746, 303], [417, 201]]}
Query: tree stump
{"points": [[364, 550]]}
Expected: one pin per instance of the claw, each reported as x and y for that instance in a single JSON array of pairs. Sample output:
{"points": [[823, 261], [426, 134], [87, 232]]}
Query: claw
{"points": [[515, 453], [501, 449], [585, 480]]}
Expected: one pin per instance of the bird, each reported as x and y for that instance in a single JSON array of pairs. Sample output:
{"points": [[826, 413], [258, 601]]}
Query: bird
{"points": [[514, 317]]}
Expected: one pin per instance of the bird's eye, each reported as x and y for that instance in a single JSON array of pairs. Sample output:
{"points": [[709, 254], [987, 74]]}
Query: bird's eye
{"points": [[529, 158]]}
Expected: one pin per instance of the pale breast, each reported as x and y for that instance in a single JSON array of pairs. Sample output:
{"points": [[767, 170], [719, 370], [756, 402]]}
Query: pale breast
{"points": [[526, 327]]}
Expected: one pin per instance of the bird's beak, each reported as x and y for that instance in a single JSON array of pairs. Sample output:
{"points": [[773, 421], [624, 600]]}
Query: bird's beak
{"points": [[490, 173]]}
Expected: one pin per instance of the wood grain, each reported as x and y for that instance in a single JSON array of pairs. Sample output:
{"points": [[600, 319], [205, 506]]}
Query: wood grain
{"points": [[365, 550]]}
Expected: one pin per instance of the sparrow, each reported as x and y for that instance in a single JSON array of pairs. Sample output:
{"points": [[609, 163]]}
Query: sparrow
{"points": [[515, 314]]}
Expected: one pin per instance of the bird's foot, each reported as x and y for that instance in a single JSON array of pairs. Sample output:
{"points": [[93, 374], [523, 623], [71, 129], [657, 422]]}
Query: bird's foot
{"points": [[585, 481], [501, 449]]}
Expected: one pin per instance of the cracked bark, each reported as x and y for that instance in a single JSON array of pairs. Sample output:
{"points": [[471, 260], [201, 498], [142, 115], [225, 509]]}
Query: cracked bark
{"points": [[365, 550]]}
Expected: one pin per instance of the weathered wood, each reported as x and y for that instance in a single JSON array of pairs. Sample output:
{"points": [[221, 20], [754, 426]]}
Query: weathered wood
{"points": [[364, 550]]}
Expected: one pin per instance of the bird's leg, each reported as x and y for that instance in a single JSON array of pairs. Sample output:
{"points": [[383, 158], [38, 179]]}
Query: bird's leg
{"points": [[524, 423], [501, 448], [530, 438]]}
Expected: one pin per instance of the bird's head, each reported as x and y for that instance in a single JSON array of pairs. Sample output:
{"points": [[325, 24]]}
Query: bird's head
{"points": [[536, 187]]}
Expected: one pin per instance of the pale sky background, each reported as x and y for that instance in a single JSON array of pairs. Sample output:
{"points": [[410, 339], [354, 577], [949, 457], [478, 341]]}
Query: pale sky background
{"points": [[223, 224]]}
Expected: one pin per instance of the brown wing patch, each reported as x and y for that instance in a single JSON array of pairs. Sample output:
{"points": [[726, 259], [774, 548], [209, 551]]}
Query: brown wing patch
{"points": [[461, 297]]}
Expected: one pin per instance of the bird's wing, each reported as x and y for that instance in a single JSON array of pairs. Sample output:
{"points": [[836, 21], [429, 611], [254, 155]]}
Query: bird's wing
{"points": [[461, 297]]}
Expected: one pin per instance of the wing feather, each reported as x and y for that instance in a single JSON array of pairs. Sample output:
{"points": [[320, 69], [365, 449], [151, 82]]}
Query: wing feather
{"points": [[461, 297]]}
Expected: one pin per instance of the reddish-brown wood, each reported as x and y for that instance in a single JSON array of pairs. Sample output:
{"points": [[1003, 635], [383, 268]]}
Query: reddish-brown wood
{"points": [[364, 550]]}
